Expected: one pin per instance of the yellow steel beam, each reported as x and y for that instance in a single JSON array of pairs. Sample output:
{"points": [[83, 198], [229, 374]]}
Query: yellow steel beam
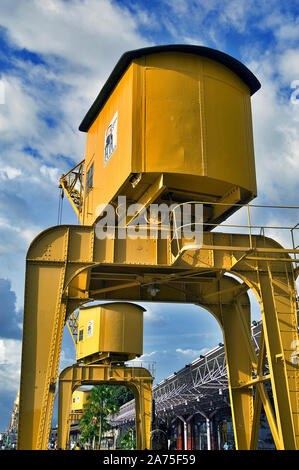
{"points": [[239, 370], [256, 364], [279, 333], [44, 315], [151, 195], [112, 288], [75, 416], [71, 333], [248, 384], [258, 400]]}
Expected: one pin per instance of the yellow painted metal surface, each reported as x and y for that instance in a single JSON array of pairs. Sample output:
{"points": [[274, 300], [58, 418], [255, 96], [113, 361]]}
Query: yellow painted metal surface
{"points": [[182, 115], [107, 329], [79, 399]]}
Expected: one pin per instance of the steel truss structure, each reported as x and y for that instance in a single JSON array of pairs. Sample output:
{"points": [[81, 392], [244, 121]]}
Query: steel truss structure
{"points": [[73, 187], [200, 387]]}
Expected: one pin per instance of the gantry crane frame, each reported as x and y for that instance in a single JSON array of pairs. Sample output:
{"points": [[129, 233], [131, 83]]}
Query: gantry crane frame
{"points": [[83, 268], [137, 379]]}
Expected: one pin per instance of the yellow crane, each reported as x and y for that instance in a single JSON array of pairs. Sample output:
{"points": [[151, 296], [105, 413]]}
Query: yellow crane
{"points": [[170, 131], [109, 335]]}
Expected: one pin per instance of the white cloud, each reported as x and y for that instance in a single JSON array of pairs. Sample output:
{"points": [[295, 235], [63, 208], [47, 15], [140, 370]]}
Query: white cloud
{"points": [[276, 130], [66, 359], [80, 42], [2, 92], [2, 351], [9, 173], [236, 13], [18, 116], [23, 125], [195, 40], [52, 173], [288, 65], [86, 32], [192, 352], [10, 369], [179, 7], [29, 234], [154, 314], [26, 233], [153, 353]]}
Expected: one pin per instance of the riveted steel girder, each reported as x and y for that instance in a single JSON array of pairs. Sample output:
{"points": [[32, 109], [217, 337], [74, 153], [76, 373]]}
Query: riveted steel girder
{"points": [[67, 266]]}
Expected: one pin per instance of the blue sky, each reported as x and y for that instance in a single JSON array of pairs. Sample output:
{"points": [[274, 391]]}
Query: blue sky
{"points": [[55, 55]]}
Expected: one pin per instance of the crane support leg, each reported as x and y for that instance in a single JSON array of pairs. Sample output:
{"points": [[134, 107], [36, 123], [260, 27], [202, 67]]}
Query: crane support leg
{"points": [[239, 370], [44, 317], [143, 409], [45, 312], [279, 320]]}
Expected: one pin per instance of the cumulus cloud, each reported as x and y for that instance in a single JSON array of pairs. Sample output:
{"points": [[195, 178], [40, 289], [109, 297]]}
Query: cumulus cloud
{"points": [[2, 351], [85, 32], [192, 352], [154, 314], [67, 358], [47, 98], [10, 364], [9, 173], [276, 131]]}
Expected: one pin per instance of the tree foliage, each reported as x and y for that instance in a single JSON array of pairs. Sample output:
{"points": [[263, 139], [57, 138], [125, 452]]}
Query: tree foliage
{"points": [[103, 400], [128, 441], [122, 394]]}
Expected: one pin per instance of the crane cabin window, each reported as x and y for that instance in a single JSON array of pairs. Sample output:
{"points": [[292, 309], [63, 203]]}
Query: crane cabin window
{"points": [[89, 183], [81, 335]]}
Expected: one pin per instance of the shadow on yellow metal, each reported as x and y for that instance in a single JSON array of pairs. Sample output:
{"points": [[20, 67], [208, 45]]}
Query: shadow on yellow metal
{"points": [[68, 266], [137, 379]]}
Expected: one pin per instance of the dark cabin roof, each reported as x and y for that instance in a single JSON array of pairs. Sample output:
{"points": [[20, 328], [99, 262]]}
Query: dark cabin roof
{"points": [[233, 64]]}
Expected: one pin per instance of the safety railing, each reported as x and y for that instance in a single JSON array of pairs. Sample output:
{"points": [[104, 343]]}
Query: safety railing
{"points": [[244, 221], [150, 366]]}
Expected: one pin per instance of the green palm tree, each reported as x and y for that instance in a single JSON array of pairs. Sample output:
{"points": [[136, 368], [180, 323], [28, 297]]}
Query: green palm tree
{"points": [[101, 403]]}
